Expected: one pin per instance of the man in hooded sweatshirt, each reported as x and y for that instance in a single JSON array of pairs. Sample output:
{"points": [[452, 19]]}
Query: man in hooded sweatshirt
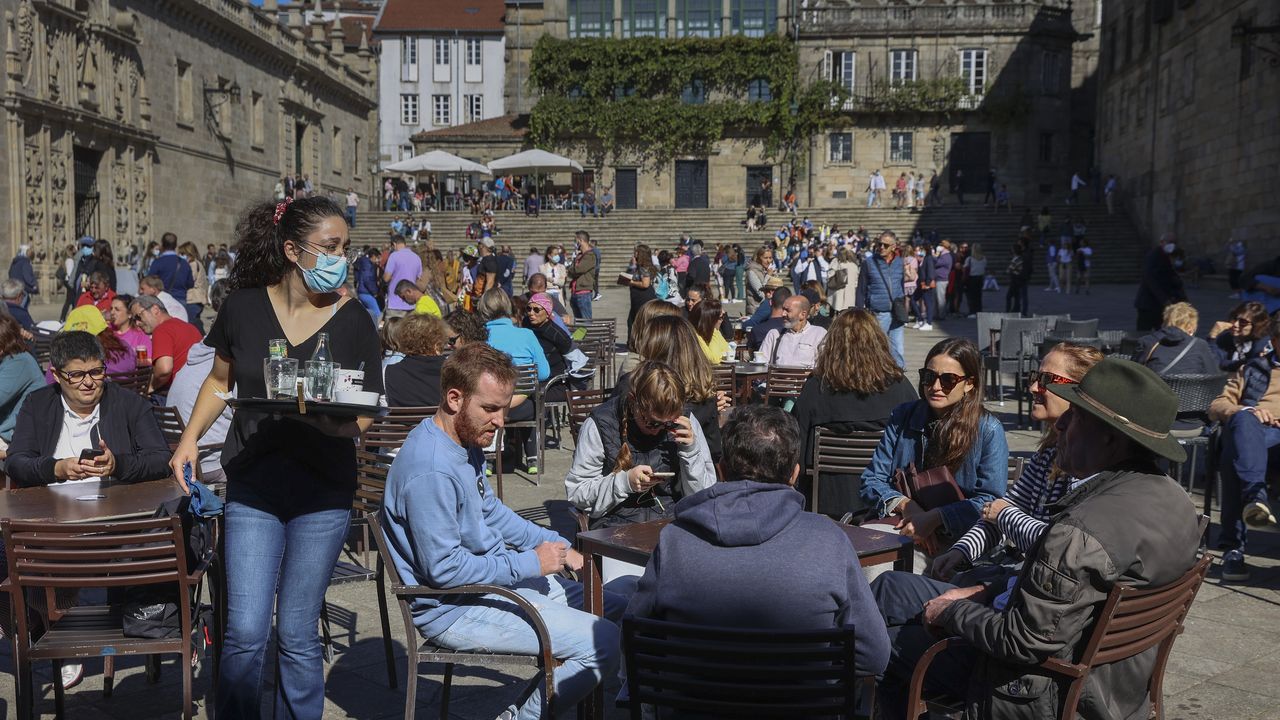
{"points": [[729, 541]]}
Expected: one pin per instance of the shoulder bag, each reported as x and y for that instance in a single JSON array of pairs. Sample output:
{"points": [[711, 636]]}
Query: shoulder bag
{"points": [[897, 306]]}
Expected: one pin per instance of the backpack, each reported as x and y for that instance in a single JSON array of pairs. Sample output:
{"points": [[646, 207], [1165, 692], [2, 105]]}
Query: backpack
{"points": [[662, 286], [61, 275]]}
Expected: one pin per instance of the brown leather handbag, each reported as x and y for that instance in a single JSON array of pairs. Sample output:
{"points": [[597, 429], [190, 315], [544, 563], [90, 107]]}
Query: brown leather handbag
{"points": [[930, 488]]}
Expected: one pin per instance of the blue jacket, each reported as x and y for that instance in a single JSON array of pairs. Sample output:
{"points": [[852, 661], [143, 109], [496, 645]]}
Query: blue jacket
{"points": [[761, 314], [982, 476], [521, 344], [873, 294], [176, 274], [20, 269], [733, 539], [19, 376], [445, 526], [366, 276]]}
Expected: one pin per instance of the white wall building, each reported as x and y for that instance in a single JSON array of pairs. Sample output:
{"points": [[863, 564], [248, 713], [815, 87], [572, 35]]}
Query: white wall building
{"points": [[442, 64]]}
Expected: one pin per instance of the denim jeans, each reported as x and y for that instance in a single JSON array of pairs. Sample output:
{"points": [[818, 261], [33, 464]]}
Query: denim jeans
{"points": [[895, 337], [351, 216], [1245, 446], [581, 303], [371, 304], [281, 562], [940, 308], [588, 646]]}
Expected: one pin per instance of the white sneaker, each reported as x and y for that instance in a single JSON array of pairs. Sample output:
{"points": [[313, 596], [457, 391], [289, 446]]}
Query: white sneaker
{"points": [[926, 327], [72, 674]]}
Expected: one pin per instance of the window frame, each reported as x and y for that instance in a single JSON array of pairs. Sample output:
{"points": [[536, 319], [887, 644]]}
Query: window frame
{"points": [[683, 15], [899, 60], [754, 92], [443, 52], [410, 109], [896, 148], [600, 10], [741, 12], [474, 51], [846, 147], [973, 66], [441, 107], [653, 10], [474, 106], [409, 58]]}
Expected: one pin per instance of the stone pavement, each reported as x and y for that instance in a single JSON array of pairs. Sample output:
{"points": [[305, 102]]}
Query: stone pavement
{"points": [[1223, 667]]}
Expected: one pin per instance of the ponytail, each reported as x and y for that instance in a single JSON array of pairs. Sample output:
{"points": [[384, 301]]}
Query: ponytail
{"points": [[261, 261]]}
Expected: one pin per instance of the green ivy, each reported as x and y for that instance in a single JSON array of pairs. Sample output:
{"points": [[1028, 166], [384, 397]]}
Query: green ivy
{"points": [[622, 96]]}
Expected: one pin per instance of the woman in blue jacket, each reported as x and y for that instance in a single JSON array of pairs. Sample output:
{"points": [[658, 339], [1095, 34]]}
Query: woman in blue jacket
{"points": [[946, 427], [522, 345]]}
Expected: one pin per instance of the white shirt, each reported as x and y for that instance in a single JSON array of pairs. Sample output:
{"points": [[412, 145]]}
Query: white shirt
{"points": [[353, 199], [795, 349], [172, 306], [77, 433], [1077, 182]]}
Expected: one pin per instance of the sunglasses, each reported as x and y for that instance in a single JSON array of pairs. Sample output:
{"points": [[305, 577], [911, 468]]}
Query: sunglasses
{"points": [[1045, 379], [948, 381], [656, 425], [453, 340], [78, 376]]}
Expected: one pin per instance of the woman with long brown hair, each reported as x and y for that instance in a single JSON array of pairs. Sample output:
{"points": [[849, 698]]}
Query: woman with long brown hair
{"points": [[19, 376], [643, 276], [706, 318], [855, 385], [639, 452], [640, 327], [947, 427]]}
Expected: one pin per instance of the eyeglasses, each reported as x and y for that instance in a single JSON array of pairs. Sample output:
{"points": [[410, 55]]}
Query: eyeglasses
{"points": [[1045, 379], [948, 381], [136, 318], [535, 309], [78, 376]]}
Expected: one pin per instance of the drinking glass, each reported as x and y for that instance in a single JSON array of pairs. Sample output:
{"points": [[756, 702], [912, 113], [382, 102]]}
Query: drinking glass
{"points": [[281, 375], [319, 380]]}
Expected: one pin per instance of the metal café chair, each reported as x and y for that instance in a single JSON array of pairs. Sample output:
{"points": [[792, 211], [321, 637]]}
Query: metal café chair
{"points": [[526, 384], [1195, 393], [1005, 357], [136, 380], [784, 383], [387, 433], [580, 404], [840, 457], [1076, 328]]}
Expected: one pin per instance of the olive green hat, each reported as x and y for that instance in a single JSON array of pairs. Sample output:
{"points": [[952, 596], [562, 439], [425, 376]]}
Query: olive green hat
{"points": [[1130, 398]]}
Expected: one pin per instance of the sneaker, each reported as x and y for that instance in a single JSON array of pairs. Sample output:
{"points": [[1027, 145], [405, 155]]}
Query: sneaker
{"points": [[1257, 514], [1234, 567], [530, 465], [926, 327], [72, 674]]}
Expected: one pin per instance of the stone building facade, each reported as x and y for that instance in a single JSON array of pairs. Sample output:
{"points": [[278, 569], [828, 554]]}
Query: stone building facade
{"points": [[127, 119], [1188, 110]]}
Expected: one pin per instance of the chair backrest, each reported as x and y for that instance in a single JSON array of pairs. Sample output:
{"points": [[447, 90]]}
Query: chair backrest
{"points": [[1011, 330], [1195, 392], [526, 380], [580, 404], [1015, 468], [1052, 339], [988, 321], [725, 375], [1134, 620], [371, 483], [841, 454], [1076, 328], [171, 424], [785, 382], [390, 430], [40, 345], [729, 672], [136, 380], [598, 358]]}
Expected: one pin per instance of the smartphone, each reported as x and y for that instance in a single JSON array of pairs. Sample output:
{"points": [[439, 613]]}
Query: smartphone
{"points": [[664, 474], [90, 454]]}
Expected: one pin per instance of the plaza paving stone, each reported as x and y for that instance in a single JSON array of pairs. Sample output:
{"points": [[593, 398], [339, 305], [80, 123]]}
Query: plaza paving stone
{"points": [[1223, 667]]}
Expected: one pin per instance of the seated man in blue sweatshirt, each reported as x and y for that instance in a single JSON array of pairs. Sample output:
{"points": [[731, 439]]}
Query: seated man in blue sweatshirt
{"points": [[446, 528], [732, 541]]}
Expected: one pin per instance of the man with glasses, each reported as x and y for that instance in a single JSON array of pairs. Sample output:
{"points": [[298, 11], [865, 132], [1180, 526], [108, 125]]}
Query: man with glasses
{"points": [[171, 340], [84, 427], [880, 289], [423, 304]]}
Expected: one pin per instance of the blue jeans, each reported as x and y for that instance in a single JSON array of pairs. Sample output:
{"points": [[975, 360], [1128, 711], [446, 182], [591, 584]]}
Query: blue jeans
{"points": [[371, 304], [581, 303], [351, 216], [1245, 445], [895, 337], [588, 209], [588, 646], [282, 563]]}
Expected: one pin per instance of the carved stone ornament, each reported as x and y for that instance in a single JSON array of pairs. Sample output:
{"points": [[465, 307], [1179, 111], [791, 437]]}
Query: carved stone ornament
{"points": [[939, 151], [120, 188], [141, 197], [34, 186], [25, 25], [57, 190], [55, 66], [119, 75]]}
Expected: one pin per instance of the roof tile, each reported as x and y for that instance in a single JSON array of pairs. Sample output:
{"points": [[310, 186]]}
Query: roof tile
{"points": [[424, 15]]}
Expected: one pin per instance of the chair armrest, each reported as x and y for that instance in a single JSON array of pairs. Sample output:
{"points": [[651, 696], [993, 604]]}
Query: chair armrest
{"points": [[531, 614], [915, 700]]}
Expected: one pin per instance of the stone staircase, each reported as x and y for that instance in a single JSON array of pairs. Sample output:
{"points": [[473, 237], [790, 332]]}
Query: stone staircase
{"points": [[1116, 244]]}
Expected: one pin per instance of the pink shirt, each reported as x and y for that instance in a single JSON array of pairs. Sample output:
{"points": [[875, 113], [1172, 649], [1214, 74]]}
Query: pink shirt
{"points": [[680, 263], [404, 264]]}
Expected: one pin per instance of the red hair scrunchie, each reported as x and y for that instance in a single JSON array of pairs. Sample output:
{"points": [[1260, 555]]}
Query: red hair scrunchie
{"points": [[281, 207]]}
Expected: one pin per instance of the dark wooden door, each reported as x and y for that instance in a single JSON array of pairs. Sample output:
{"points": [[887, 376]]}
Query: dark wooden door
{"points": [[691, 183], [970, 152], [755, 194], [624, 191]]}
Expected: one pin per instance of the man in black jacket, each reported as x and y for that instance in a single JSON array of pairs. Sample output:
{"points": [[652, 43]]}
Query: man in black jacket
{"points": [[62, 426], [1160, 284]]}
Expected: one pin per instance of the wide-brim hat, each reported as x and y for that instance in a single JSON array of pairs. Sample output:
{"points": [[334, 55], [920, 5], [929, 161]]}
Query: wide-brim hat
{"points": [[1132, 400], [773, 283]]}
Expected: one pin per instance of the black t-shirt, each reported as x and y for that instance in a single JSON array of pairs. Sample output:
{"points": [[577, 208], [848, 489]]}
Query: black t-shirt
{"points": [[290, 464], [414, 381], [640, 296], [699, 271], [489, 264]]}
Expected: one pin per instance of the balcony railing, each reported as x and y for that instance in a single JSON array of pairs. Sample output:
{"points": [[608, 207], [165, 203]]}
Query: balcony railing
{"points": [[913, 97], [826, 17]]}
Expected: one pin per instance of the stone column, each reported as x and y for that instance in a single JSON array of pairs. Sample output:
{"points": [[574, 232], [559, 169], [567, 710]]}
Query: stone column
{"points": [[671, 18], [617, 18], [726, 17]]}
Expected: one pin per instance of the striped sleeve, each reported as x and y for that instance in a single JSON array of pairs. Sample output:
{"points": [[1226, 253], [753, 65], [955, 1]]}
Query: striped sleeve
{"points": [[980, 538], [1022, 521]]}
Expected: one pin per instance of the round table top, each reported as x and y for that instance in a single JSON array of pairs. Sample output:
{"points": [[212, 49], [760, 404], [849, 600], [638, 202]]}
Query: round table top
{"points": [[90, 501]]}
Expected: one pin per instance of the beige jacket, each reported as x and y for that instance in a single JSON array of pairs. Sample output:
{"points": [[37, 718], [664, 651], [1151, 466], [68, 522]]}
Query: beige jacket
{"points": [[1228, 403]]}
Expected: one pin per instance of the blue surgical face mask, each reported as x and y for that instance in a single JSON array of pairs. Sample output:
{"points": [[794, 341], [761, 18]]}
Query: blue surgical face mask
{"points": [[86, 251], [555, 258], [329, 273]]}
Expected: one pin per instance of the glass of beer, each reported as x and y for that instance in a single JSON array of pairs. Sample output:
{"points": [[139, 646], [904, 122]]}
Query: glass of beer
{"points": [[141, 355]]}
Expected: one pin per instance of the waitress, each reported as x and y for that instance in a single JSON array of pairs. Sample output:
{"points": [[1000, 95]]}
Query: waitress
{"points": [[291, 479]]}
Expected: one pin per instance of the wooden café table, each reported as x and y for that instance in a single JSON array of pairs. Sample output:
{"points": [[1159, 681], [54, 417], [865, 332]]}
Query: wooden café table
{"points": [[634, 543], [91, 501]]}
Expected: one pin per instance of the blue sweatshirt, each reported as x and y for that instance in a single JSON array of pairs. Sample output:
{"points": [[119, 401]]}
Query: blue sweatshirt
{"points": [[175, 273], [731, 541], [521, 344], [445, 526]]}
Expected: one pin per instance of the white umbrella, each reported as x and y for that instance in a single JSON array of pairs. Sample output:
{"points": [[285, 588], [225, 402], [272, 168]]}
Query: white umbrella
{"points": [[534, 161], [437, 161]]}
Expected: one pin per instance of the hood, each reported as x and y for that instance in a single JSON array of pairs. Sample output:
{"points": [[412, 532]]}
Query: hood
{"points": [[1170, 335], [199, 354], [734, 514]]}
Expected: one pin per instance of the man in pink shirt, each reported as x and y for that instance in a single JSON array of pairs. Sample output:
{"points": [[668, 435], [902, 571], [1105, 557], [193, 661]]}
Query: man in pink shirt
{"points": [[403, 264]]}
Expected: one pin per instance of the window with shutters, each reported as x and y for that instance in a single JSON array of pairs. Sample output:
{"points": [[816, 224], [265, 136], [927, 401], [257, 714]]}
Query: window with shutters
{"points": [[408, 109], [409, 59], [902, 66], [973, 68]]}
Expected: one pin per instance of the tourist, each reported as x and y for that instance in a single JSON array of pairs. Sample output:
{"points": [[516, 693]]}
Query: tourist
{"points": [[855, 385], [1084, 263], [100, 259], [366, 277], [415, 380], [942, 266], [1174, 349], [536, 284], [1110, 191], [582, 276], [118, 357], [556, 272], [153, 286], [947, 428], [353, 203], [975, 271], [185, 390], [639, 328], [925, 297], [699, 271], [523, 347], [809, 265], [171, 339], [989, 194], [880, 289], [1244, 336], [735, 538], [820, 312], [1235, 260], [1051, 267], [796, 345], [533, 263], [131, 336], [222, 266], [639, 452], [290, 482], [910, 276], [15, 300], [69, 281], [20, 269], [555, 342], [174, 271], [98, 293], [1077, 182], [1021, 516], [19, 376], [842, 278], [758, 272], [1066, 264], [442, 533], [705, 317], [402, 264], [642, 280], [775, 319], [1019, 276], [198, 293], [728, 270], [588, 203], [422, 303]]}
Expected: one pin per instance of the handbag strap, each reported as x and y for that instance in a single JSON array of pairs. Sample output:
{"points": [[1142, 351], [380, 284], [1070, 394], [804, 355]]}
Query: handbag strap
{"points": [[1175, 361], [885, 281]]}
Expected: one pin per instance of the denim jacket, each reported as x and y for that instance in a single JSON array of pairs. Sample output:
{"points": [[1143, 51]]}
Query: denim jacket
{"points": [[982, 476]]}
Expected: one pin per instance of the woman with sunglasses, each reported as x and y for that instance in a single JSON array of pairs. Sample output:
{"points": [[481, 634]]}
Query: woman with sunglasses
{"points": [[1246, 335], [639, 452], [947, 427], [290, 478], [1023, 513], [555, 342]]}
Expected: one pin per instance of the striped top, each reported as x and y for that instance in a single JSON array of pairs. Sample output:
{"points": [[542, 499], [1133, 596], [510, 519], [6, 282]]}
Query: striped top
{"points": [[1025, 518]]}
